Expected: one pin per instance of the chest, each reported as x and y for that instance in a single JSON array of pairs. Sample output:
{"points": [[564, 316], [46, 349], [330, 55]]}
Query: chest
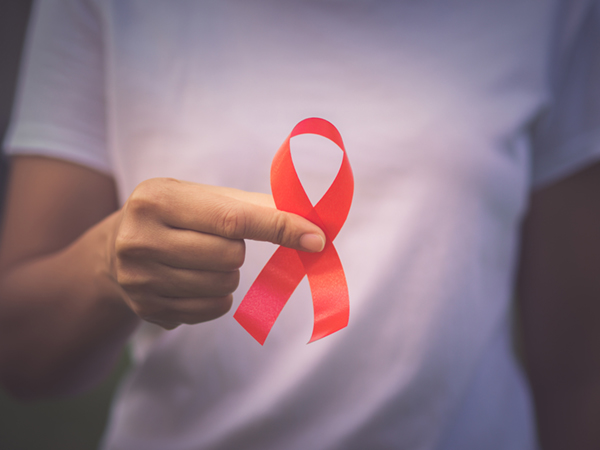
{"points": [[432, 90]]}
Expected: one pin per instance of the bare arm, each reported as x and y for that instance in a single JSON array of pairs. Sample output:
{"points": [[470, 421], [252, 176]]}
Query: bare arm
{"points": [[76, 274], [559, 292], [56, 300]]}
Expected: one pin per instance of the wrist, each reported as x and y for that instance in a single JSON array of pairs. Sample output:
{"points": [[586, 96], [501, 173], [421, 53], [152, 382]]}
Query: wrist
{"points": [[110, 296]]}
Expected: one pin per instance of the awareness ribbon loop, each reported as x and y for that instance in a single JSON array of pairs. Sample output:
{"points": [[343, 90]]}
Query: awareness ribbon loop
{"points": [[271, 290]]}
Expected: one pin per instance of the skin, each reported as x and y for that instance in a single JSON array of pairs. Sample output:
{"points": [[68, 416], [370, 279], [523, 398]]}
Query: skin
{"points": [[559, 301], [77, 275]]}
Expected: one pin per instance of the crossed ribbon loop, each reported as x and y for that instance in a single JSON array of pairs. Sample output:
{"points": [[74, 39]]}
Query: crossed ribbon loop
{"points": [[283, 272]]}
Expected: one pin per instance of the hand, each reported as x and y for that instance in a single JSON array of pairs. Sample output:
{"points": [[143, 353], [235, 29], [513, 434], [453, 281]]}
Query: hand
{"points": [[179, 246]]}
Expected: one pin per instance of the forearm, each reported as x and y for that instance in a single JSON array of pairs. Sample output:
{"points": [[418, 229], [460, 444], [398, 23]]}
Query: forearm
{"points": [[63, 320], [170, 256]]}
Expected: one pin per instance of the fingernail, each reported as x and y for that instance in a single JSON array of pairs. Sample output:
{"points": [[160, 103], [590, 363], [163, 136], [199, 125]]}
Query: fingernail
{"points": [[312, 242]]}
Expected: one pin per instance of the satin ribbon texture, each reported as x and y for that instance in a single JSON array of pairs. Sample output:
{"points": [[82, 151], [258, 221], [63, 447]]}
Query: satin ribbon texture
{"points": [[281, 275]]}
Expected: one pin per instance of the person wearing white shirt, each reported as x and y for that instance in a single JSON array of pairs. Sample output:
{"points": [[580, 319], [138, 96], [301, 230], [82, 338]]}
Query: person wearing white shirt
{"points": [[141, 145]]}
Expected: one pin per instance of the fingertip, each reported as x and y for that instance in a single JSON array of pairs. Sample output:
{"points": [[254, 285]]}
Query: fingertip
{"points": [[311, 242]]}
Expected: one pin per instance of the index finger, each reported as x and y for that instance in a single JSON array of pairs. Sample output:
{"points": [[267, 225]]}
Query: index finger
{"points": [[235, 214]]}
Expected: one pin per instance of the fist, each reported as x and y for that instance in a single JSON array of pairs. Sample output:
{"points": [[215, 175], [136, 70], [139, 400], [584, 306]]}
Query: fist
{"points": [[179, 247]]}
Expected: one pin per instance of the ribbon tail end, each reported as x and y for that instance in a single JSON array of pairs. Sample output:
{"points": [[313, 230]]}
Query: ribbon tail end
{"points": [[321, 333], [251, 327]]}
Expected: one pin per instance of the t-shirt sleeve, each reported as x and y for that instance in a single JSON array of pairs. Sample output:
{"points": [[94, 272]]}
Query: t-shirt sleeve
{"points": [[566, 137], [60, 106]]}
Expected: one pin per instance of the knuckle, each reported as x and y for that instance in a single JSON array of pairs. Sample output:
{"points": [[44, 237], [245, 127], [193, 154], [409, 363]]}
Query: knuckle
{"points": [[143, 198], [281, 233], [232, 221], [125, 245], [150, 195], [131, 248], [124, 276], [132, 280], [134, 241]]}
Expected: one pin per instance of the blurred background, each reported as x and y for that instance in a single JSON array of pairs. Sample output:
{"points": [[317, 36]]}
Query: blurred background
{"points": [[66, 424]]}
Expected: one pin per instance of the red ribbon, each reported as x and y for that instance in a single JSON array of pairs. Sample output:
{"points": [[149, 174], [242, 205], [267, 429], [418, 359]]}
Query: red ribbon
{"points": [[283, 272]]}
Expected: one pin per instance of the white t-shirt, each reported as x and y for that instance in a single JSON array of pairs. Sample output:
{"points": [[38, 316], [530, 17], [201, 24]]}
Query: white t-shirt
{"points": [[451, 111]]}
